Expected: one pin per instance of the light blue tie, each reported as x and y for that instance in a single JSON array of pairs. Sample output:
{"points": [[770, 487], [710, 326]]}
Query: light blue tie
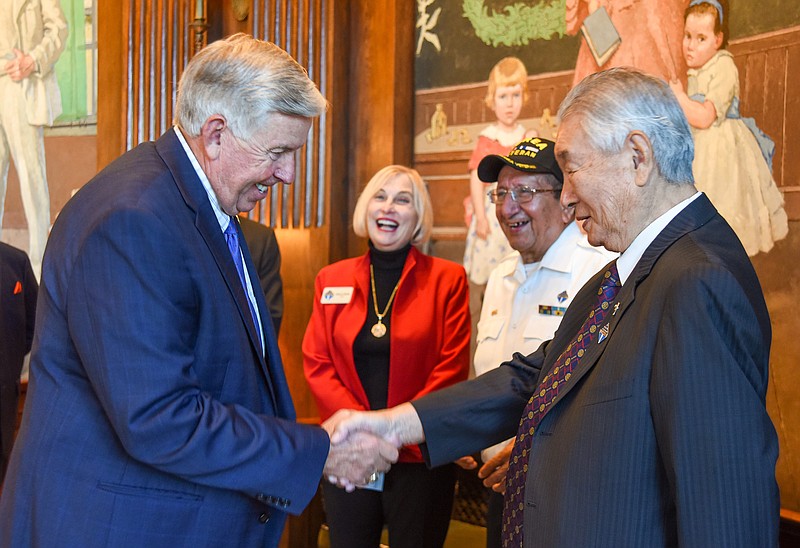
{"points": [[232, 238]]}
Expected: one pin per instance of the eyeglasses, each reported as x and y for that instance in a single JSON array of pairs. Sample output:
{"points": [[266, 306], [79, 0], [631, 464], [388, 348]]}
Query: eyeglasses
{"points": [[521, 195]]}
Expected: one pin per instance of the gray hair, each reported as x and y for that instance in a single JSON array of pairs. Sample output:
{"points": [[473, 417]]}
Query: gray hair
{"points": [[244, 79], [615, 102]]}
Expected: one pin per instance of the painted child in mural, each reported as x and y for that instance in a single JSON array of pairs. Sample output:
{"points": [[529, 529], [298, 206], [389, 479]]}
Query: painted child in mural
{"points": [[650, 30], [507, 92], [32, 36], [730, 165]]}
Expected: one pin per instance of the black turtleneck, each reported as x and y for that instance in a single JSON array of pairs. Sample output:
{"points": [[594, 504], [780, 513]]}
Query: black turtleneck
{"points": [[371, 354]]}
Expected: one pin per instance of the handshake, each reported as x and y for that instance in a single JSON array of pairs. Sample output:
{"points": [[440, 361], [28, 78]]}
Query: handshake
{"points": [[364, 443]]}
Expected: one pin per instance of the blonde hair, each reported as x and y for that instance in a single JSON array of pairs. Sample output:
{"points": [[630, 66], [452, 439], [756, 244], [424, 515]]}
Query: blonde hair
{"points": [[509, 71], [420, 198]]}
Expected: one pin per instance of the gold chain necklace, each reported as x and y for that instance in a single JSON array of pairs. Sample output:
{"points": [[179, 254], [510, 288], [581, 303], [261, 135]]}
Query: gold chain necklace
{"points": [[379, 330]]}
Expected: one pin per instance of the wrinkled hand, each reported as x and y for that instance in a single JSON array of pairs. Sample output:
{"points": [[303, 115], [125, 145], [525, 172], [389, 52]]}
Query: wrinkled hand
{"points": [[467, 463], [493, 472], [353, 460], [20, 67]]}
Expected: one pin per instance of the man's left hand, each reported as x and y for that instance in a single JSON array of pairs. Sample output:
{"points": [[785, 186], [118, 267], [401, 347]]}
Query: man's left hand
{"points": [[20, 67], [493, 472]]}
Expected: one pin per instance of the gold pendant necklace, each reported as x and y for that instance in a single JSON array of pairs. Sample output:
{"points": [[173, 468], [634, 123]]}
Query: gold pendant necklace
{"points": [[379, 330]]}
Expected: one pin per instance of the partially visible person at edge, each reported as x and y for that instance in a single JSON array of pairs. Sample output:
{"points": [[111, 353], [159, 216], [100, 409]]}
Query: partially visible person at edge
{"points": [[158, 413], [18, 292], [388, 327], [630, 420], [530, 290]]}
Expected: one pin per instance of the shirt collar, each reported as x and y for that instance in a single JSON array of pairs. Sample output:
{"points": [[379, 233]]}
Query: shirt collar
{"points": [[630, 257], [558, 256], [222, 218]]}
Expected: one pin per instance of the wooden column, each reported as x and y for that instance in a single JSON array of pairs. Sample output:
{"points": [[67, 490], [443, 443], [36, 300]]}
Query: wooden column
{"points": [[381, 93]]}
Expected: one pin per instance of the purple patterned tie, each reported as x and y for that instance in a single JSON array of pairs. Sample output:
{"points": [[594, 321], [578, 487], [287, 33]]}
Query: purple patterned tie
{"points": [[232, 239], [514, 500]]}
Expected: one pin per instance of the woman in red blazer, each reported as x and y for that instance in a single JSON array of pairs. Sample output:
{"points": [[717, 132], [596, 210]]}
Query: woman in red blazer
{"points": [[389, 327]]}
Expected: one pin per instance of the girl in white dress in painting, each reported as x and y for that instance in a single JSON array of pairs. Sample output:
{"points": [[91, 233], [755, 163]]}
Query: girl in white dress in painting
{"points": [[729, 165]]}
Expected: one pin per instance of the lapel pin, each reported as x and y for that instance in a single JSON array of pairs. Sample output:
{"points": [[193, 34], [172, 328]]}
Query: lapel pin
{"points": [[603, 334], [616, 307], [562, 296]]}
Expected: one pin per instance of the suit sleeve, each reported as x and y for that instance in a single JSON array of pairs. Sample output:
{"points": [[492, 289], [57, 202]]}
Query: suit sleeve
{"points": [[707, 390], [132, 312], [453, 363], [470, 416], [327, 386]]}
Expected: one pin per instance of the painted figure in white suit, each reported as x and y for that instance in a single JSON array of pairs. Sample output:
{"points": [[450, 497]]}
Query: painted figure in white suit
{"points": [[32, 36]]}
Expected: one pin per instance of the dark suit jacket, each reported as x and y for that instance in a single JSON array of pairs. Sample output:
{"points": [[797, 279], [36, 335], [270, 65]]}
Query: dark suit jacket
{"points": [[661, 438], [152, 418], [266, 254], [18, 289]]}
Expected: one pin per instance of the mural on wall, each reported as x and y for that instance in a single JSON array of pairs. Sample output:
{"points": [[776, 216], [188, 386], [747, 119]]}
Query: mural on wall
{"points": [[733, 160], [31, 100], [507, 91], [651, 32], [555, 37]]}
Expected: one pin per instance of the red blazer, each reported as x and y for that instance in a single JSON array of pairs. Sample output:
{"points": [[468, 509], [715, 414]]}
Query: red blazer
{"points": [[429, 333]]}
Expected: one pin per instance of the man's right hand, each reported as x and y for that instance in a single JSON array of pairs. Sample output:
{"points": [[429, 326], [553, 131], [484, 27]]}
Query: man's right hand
{"points": [[352, 462]]}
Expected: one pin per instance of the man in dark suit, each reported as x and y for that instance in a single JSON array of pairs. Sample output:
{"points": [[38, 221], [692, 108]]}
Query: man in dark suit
{"points": [[263, 247], [158, 412], [644, 420], [18, 289]]}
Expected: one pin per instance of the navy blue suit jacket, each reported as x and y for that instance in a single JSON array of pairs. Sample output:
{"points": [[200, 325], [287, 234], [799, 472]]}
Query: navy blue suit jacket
{"points": [[152, 417], [662, 437]]}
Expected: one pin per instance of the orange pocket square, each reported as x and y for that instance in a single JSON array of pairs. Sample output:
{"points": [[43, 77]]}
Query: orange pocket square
{"points": [[18, 288]]}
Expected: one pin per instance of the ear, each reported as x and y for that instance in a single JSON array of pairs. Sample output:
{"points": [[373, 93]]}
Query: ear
{"points": [[211, 135], [718, 40], [639, 147]]}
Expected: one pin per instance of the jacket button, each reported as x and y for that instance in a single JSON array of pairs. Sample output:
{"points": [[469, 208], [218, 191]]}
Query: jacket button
{"points": [[263, 518]]}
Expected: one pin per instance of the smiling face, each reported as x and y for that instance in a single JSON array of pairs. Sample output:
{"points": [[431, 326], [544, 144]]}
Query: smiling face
{"points": [[600, 186], [391, 216], [507, 104], [530, 228], [699, 41], [241, 172]]}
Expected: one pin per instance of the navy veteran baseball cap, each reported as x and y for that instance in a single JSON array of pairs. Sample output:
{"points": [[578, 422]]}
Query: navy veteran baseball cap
{"points": [[532, 155]]}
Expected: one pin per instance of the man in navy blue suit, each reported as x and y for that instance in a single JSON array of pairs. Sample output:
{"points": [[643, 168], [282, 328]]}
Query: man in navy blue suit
{"points": [[18, 289], [158, 413], [643, 422]]}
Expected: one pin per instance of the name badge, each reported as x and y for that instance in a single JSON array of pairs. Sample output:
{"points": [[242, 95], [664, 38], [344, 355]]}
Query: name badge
{"points": [[336, 295]]}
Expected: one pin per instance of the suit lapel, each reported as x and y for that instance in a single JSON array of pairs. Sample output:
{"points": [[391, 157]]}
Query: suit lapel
{"points": [[190, 187], [695, 215]]}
